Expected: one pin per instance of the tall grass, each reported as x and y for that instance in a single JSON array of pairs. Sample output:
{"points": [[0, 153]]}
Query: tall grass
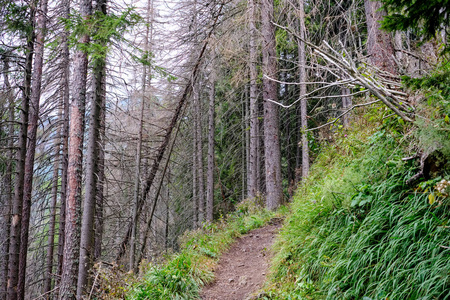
{"points": [[358, 232]]}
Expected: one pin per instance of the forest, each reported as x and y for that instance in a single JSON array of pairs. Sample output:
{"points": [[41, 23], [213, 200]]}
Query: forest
{"points": [[139, 139]]}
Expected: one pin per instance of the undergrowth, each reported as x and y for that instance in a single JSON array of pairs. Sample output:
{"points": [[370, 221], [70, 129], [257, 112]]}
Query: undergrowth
{"points": [[357, 231], [183, 273]]}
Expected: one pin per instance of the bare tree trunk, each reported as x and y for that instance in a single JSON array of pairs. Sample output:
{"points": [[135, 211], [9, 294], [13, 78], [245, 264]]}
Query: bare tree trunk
{"points": [[346, 104], [51, 231], [101, 179], [253, 174], [65, 143], [17, 205], [166, 227], [7, 195], [195, 198], [137, 174], [303, 102], [379, 46], [271, 125], [199, 157], [76, 136], [210, 172], [87, 224], [31, 147]]}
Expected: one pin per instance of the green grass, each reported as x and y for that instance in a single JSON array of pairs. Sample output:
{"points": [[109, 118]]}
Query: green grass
{"points": [[357, 231], [184, 273]]}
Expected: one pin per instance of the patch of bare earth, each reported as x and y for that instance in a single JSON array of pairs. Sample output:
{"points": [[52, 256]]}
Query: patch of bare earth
{"points": [[242, 270]]}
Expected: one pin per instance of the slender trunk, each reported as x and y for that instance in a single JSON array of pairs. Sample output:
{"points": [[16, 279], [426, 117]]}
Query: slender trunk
{"points": [[199, 153], [51, 231], [253, 175], [65, 143], [210, 175], [101, 178], [76, 136], [87, 224], [346, 104], [166, 227], [379, 45], [303, 102], [195, 198], [271, 124], [17, 205], [137, 175], [7, 195], [31, 147]]}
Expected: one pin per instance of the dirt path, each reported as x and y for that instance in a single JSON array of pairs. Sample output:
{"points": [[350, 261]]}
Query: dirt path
{"points": [[242, 270]]}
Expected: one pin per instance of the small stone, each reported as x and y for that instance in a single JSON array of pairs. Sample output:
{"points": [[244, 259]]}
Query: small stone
{"points": [[231, 280]]}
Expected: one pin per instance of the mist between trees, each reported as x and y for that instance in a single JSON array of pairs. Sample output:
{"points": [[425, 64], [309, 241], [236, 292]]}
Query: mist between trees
{"points": [[124, 124]]}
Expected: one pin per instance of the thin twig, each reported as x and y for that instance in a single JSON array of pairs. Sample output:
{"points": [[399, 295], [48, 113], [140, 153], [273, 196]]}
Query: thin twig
{"points": [[343, 114]]}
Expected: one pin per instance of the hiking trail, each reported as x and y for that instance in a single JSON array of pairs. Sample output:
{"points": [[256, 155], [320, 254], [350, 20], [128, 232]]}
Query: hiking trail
{"points": [[242, 270]]}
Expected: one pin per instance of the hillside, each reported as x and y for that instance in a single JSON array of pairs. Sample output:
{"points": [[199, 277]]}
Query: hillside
{"points": [[363, 226]]}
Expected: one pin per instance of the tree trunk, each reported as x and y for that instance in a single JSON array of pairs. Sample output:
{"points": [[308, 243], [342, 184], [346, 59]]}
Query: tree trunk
{"points": [[379, 45], [210, 172], [17, 205], [65, 143], [31, 147], [87, 224], [51, 231], [253, 175], [346, 104], [303, 102], [199, 157], [101, 180], [195, 198], [271, 125], [76, 136], [7, 195]]}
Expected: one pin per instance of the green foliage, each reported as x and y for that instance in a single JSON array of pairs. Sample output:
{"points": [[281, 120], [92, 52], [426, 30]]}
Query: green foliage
{"points": [[102, 28], [426, 16], [15, 17], [357, 231], [434, 124], [184, 273]]}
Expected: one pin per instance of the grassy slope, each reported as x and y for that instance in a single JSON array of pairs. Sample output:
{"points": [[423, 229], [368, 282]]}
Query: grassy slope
{"points": [[356, 231]]}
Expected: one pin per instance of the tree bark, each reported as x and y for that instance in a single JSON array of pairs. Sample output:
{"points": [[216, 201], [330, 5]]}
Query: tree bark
{"points": [[17, 205], [253, 175], [379, 45], [76, 135], [303, 102], [89, 206], [65, 142], [31, 147], [210, 172], [137, 174], [199, 157], [7, 195], [271, 123], [101, 180], [51, 231]]}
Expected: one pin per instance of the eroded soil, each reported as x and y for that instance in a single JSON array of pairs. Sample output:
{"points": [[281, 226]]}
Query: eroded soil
{"points": [[242, 270]]}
